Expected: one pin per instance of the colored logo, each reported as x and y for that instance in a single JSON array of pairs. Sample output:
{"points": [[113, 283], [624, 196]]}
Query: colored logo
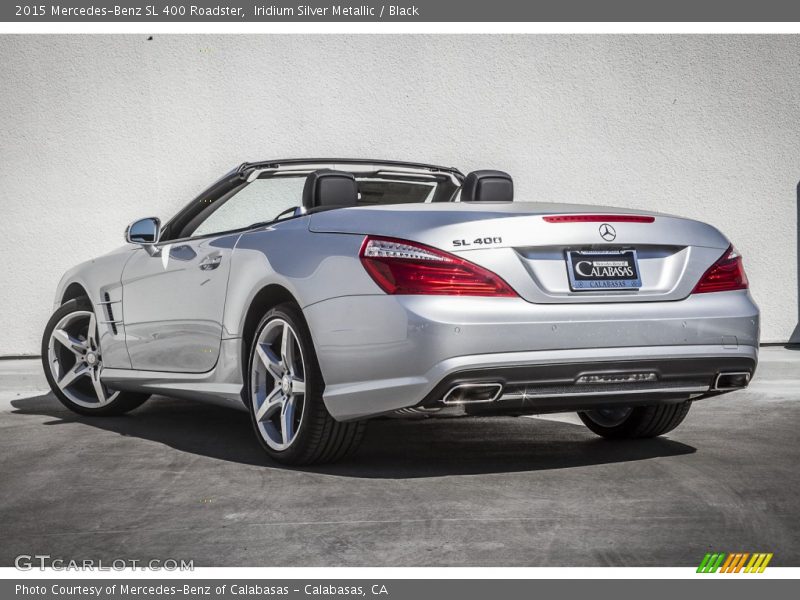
{"points": [[736, 562]]}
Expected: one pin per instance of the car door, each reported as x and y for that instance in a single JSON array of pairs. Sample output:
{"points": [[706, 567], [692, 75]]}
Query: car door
{"points": [[173, 299], [173, 304]]}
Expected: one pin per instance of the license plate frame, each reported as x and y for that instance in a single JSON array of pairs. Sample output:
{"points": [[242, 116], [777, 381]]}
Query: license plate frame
{"points": [[601, 263]]}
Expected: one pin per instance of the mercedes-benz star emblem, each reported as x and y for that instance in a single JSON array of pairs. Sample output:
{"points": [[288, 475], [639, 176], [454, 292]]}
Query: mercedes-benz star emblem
{"points": [[607, 232]]}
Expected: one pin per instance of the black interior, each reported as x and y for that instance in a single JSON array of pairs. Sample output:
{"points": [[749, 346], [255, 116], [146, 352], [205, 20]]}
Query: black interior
{"points": [[327, 188], [487, 186]]}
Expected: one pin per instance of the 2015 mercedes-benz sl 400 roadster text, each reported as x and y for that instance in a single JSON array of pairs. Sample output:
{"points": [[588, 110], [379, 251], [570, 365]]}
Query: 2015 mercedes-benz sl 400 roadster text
{"points": [[319, 293]]}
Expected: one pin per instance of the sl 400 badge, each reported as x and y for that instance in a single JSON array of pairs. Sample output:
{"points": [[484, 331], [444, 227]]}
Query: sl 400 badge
{"points": [[481, 241]]}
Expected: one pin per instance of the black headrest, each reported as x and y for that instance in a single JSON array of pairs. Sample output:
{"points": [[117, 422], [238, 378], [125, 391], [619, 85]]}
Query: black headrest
{"points": [[487, 186], [329, 189]]}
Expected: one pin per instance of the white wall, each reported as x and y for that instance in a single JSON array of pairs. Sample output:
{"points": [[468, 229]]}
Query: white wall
{"points": [[95, 131]]}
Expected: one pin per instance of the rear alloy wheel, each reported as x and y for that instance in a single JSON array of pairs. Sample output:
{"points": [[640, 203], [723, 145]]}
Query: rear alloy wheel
{"points": [[73, 363], [635, 422], [284, 395], [278, 384]]}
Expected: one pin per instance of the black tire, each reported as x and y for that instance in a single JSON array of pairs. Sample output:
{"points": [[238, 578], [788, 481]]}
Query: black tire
{"points": [[641, 421], [124, 401], [319, 438]]}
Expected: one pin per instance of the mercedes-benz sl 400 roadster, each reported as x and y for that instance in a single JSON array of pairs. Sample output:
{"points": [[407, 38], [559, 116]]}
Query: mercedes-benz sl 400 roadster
{"points": [[321, 293]]}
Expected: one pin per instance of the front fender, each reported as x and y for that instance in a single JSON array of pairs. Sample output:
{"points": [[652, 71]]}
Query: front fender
{"points": [[98, 277]]}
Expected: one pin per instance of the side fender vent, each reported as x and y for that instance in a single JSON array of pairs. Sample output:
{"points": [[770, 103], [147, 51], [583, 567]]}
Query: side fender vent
{"points": [[110, 312]]}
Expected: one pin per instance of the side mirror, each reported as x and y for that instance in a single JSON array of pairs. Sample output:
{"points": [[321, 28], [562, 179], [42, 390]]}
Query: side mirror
{"points": [[144, 232]]}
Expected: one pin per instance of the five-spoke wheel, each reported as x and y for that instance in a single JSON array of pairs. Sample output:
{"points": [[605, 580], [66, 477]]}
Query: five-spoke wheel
{"points": [[283, 391], [75, 360], [73, 363], [278, 384]]}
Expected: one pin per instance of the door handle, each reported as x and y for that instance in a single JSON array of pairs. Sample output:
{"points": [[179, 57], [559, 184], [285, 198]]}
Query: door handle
{"points": [[210, 263]]}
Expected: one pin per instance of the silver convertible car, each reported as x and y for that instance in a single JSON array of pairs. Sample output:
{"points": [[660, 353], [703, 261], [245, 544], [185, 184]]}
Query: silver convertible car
{"points": [[320, 293]]}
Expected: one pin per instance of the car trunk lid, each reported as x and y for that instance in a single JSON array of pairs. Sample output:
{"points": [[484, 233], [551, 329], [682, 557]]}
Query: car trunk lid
{"points": [[535, 246]]}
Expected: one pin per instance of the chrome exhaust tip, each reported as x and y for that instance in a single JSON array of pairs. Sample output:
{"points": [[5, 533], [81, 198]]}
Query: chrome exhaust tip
{"points": [[725, 382], [473, 393]]}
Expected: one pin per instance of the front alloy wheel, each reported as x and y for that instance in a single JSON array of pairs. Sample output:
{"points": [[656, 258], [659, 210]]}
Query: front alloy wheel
{"points": [[284, 394], [73, 363], [75, 360]]}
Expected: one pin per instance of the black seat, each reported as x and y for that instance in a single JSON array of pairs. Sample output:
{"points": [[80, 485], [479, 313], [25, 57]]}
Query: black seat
{"points": [[487, 186], [327, 188]]}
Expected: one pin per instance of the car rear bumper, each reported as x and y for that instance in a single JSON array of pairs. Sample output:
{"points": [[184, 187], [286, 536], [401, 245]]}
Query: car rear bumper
{"points": [[380, 354], [576, 383]]}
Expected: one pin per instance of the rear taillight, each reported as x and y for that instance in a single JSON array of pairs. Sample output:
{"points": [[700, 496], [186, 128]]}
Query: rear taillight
{"points": [[403, 267], [725, 275]]}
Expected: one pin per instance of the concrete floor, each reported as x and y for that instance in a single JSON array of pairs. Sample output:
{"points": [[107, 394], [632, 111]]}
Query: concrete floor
{"points": [[177, 479]]}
